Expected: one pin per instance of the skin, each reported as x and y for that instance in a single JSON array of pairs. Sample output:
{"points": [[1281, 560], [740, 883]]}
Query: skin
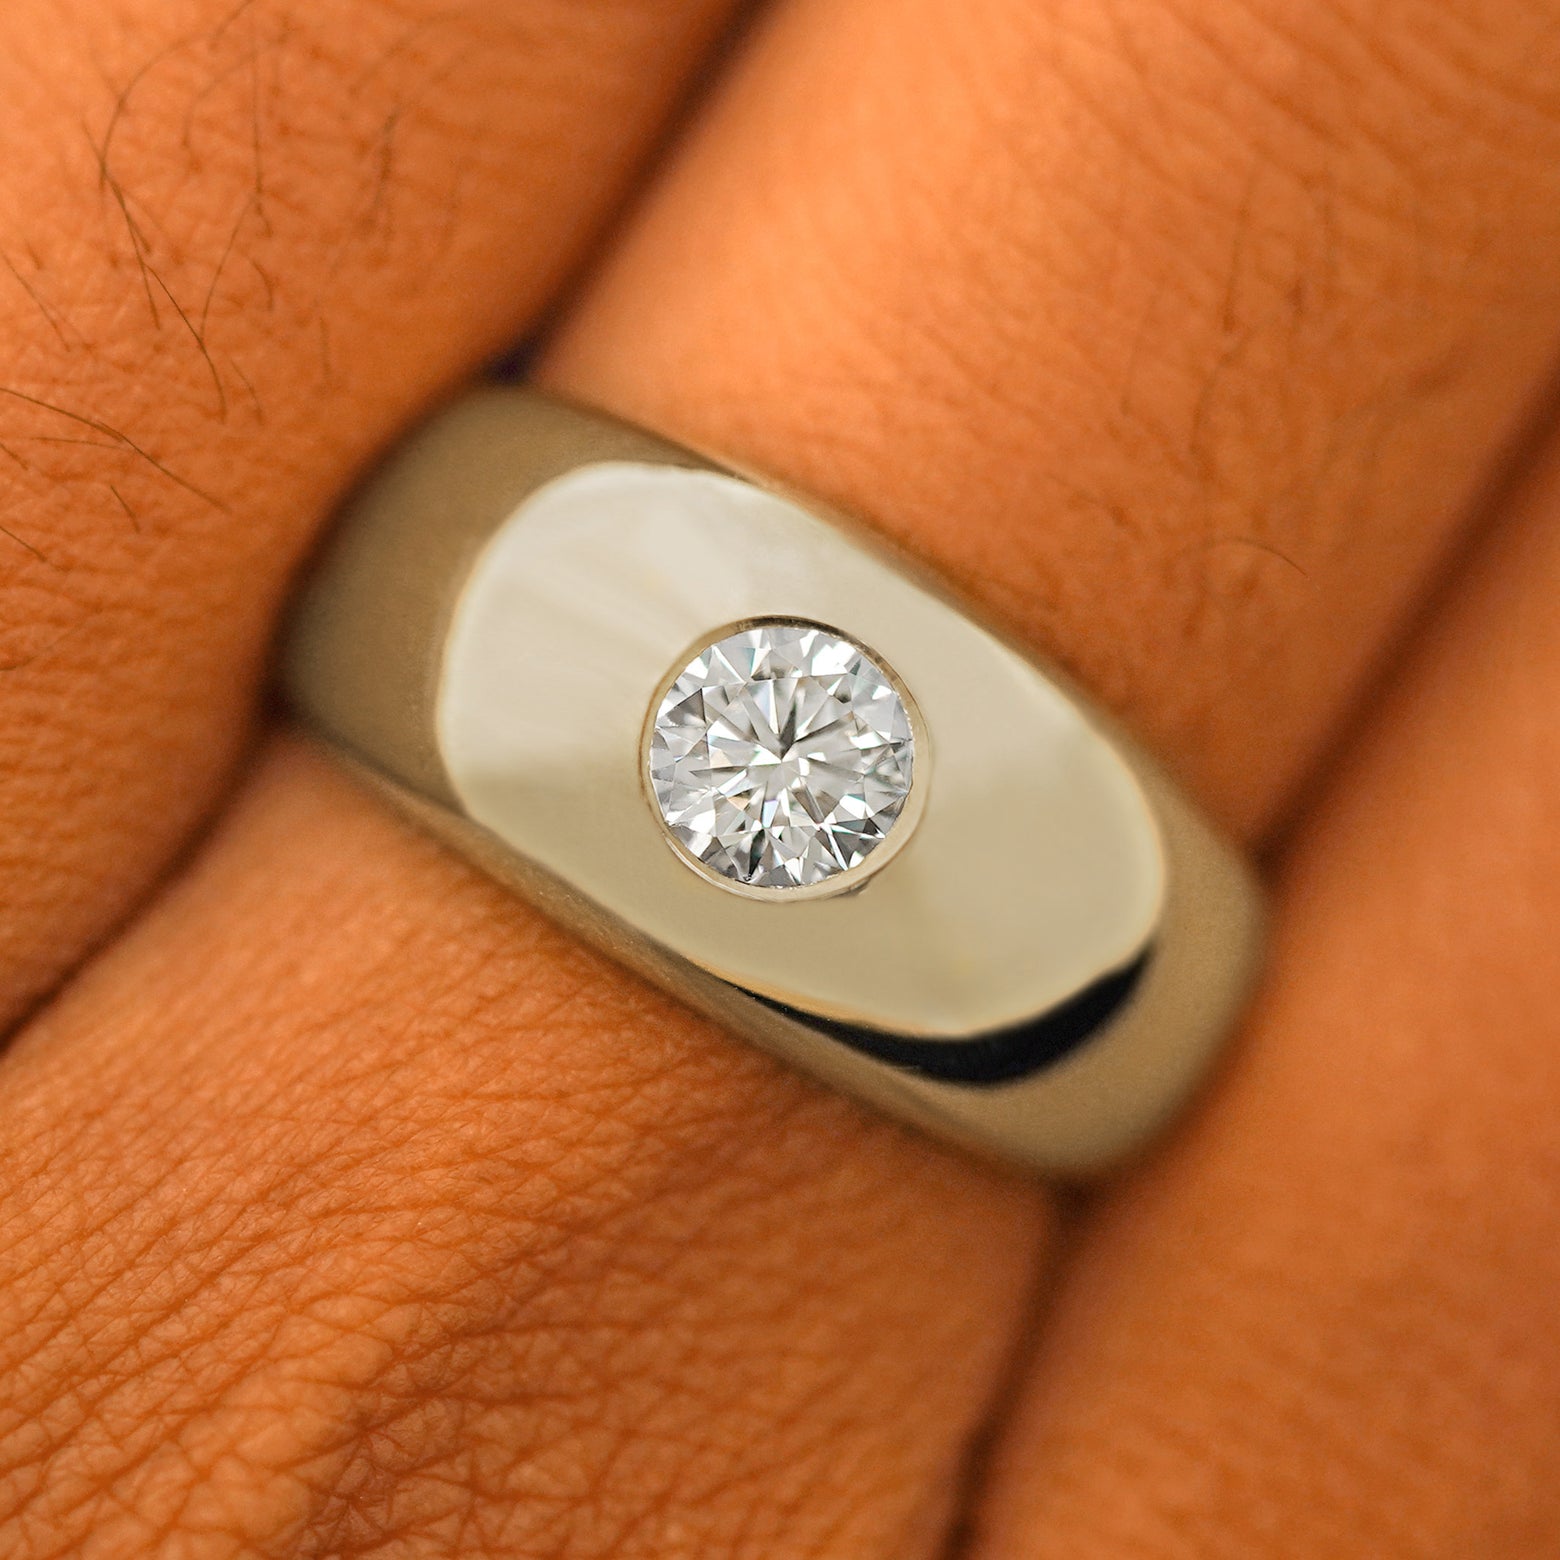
{"points": [[348, 1208]]}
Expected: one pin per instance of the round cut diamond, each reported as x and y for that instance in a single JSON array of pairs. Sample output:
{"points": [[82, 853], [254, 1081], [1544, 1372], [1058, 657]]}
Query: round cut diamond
{"points": [[781, 755]]}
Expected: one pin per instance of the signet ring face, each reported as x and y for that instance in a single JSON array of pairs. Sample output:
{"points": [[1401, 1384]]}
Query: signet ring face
{"points": [[735, 742]]}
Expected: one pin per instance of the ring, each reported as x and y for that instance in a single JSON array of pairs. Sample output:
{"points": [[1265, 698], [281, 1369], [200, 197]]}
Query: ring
{"points": [[739, 744]]}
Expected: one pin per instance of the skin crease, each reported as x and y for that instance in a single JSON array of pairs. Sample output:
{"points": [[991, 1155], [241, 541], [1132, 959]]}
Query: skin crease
{"points": [[346, 1207]]}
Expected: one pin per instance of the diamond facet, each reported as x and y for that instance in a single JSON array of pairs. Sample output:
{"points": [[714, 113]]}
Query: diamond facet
{"points": [[781, 755]]}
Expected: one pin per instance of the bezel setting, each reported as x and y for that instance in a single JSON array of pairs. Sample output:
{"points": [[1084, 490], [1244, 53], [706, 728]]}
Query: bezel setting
{"points": [[896, 820]]}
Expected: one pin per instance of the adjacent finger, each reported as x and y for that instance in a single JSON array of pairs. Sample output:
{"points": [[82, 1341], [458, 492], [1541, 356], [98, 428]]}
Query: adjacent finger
{"points": [[240, 244], [348, 1203], [1178, 336], [1324, 1323]]}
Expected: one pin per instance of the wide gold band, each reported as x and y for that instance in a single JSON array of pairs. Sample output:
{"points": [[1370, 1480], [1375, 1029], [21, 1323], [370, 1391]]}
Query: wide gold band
{"points": [[1042, 966]]}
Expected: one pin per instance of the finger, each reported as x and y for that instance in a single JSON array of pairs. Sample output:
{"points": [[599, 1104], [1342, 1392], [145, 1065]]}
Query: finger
{"points": [[382, 1214], [1324, 1324], [1180, 337], [667, 1170], [241, 244]]}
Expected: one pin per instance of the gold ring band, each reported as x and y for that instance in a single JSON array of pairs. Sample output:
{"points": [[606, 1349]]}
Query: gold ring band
{"points": [[742, 746]]}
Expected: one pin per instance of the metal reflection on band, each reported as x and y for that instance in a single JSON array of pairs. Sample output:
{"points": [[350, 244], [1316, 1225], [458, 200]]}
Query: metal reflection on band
{"points": [[1038, 955], [1008, 1054]]}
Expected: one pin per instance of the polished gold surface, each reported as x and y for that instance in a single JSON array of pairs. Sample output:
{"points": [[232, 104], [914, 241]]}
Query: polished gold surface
{"points": [[1042, 966]]}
